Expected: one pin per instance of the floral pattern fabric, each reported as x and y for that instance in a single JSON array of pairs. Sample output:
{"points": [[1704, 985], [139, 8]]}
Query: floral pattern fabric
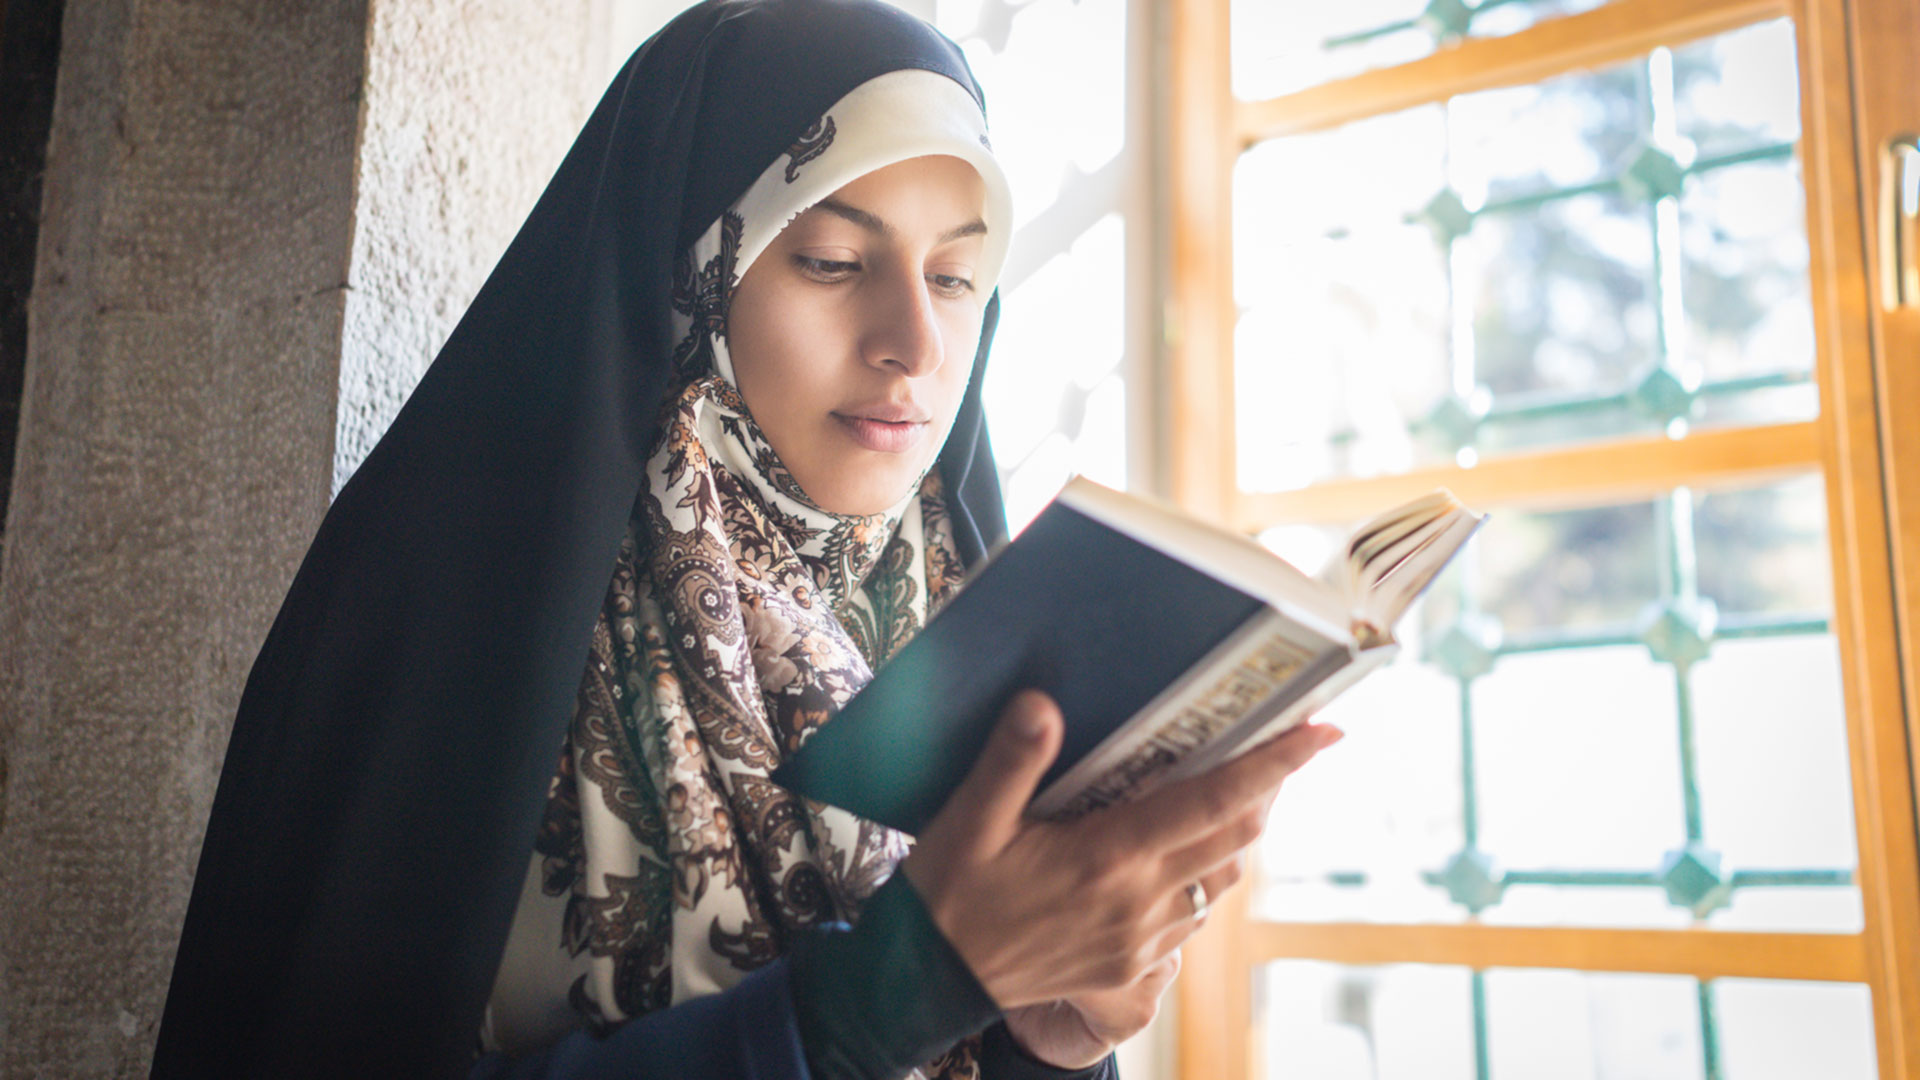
{"points": [[739, 618]]}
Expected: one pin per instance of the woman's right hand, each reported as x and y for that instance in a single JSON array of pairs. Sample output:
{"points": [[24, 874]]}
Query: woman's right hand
{"points": [[1042, 911]]}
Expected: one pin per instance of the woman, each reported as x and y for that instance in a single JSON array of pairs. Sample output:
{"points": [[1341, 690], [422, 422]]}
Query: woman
{"points": [[395, 753]]}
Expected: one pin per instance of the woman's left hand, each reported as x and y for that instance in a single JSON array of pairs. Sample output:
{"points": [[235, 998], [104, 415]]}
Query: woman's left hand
{"points": [[1075, 1032]]}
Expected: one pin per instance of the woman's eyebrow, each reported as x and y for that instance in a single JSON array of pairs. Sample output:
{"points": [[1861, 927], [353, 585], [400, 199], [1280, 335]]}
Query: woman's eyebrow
{"points": [[874, 224]]}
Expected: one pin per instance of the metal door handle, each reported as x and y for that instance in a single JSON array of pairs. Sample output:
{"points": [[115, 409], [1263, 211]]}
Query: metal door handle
{"points": [[1900, 231]]}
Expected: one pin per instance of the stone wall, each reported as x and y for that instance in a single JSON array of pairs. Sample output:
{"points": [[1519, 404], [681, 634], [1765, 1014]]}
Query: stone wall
{"points": [[470, 106], [177, 422], [260, 219]]}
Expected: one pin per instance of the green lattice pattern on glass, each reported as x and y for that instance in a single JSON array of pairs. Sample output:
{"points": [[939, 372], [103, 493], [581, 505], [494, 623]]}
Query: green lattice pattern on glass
{"points": [[1281, 47], [1679, 629], [1409, 1020], [1653, 174], [1604, 253], [1442, 20], [1653, 168]]}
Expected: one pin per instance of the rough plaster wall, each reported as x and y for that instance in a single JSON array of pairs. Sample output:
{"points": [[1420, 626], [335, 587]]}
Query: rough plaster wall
{"points": [[471, 104], [173, 462], [192, 329]]}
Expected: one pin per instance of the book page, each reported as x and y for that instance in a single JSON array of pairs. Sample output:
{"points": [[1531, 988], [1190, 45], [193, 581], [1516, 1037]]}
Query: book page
{"points": [[1394, 565], [1394, 557], [1372, 541]]}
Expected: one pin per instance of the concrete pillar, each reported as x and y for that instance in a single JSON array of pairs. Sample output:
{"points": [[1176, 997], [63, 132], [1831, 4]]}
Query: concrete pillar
{"points": [[471, 104], [176, 430], [261, 219]]}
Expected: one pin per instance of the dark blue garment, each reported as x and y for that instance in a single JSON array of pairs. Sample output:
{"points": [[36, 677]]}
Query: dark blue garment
{"points": [[748, 1033], [861, 1004]]}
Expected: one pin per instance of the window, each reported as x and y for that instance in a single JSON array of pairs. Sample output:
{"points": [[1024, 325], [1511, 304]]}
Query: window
{"points": [[1639, 800], [1065, 125]]}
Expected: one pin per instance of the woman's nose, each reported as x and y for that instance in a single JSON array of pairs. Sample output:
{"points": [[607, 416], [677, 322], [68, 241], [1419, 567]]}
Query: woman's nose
{"points": [[903, 331]]}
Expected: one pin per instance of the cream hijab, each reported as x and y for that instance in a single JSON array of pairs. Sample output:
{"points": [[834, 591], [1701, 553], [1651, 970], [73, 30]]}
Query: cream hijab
{"points": [[740, 617]]}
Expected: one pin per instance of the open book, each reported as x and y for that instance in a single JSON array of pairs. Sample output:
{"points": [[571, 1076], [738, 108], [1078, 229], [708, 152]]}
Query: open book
{"points": [[1171, 646]]}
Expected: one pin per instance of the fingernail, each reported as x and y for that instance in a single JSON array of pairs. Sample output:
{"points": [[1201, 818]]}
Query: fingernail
{"points": [[1329, 740], [1030, 726]]}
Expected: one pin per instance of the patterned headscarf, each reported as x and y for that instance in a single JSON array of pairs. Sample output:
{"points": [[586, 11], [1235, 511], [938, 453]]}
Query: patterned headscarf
{"points": [[740, 617]]}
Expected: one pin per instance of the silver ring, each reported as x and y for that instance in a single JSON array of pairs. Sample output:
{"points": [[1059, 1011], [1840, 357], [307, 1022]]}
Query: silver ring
{"points": [[1197, 896]]}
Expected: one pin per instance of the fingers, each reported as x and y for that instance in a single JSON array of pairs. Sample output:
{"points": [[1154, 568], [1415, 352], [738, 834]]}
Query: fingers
{"points": [[1166, 944], [1184, 906], [1218, 858], [988, 805], [1215, 849], [1188, 811], [1098, 902], [1223, 877], [1174, 919], [1165, 971]]}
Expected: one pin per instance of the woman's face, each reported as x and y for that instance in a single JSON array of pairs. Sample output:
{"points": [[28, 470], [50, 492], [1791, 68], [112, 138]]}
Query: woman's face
{"points": [[853, 334]]}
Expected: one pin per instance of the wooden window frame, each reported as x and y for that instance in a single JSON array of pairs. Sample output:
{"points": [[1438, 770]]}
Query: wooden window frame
{"points": [[1865, 445]]}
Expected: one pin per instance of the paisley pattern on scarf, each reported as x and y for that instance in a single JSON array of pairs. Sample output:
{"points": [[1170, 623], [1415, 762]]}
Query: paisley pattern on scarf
{"points": [[739, 619], [812, 143], [701, 298]]}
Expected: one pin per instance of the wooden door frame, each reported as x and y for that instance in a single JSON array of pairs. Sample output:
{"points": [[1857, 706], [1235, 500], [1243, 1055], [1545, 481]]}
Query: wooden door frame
{"points": [[1850, 106]]}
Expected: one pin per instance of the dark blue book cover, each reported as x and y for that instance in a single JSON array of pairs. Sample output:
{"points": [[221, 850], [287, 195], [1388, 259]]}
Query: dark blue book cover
{"points": [[1096, 618]]}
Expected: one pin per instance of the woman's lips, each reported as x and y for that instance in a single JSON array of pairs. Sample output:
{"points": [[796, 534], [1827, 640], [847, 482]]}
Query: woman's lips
{"points": [[885, 436]]}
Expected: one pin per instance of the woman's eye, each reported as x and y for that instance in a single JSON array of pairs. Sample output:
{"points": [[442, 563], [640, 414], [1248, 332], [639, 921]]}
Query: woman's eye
{"points": [[951, 285], [825, 269]]}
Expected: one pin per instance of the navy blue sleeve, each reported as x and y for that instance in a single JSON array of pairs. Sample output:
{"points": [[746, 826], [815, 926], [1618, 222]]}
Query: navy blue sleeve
{"points": [[894, 993], [868, 1003], [888, 996]]}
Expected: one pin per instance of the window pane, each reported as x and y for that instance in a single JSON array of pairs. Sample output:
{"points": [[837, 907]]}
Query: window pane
{"points": [[1739, 91], [1600, 254], [1625, 715], [1320, 1021], [1348, 303], [1057, 114], [1521, 141], [1774, 780], [1764, 550], [1398, 1022], [1056, 393], [1381, 811], [1773, 1030], [1749, 314], [1562, 297], [1577, 1026], [1566, 570], [1583, 780], [1280, 46]]}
